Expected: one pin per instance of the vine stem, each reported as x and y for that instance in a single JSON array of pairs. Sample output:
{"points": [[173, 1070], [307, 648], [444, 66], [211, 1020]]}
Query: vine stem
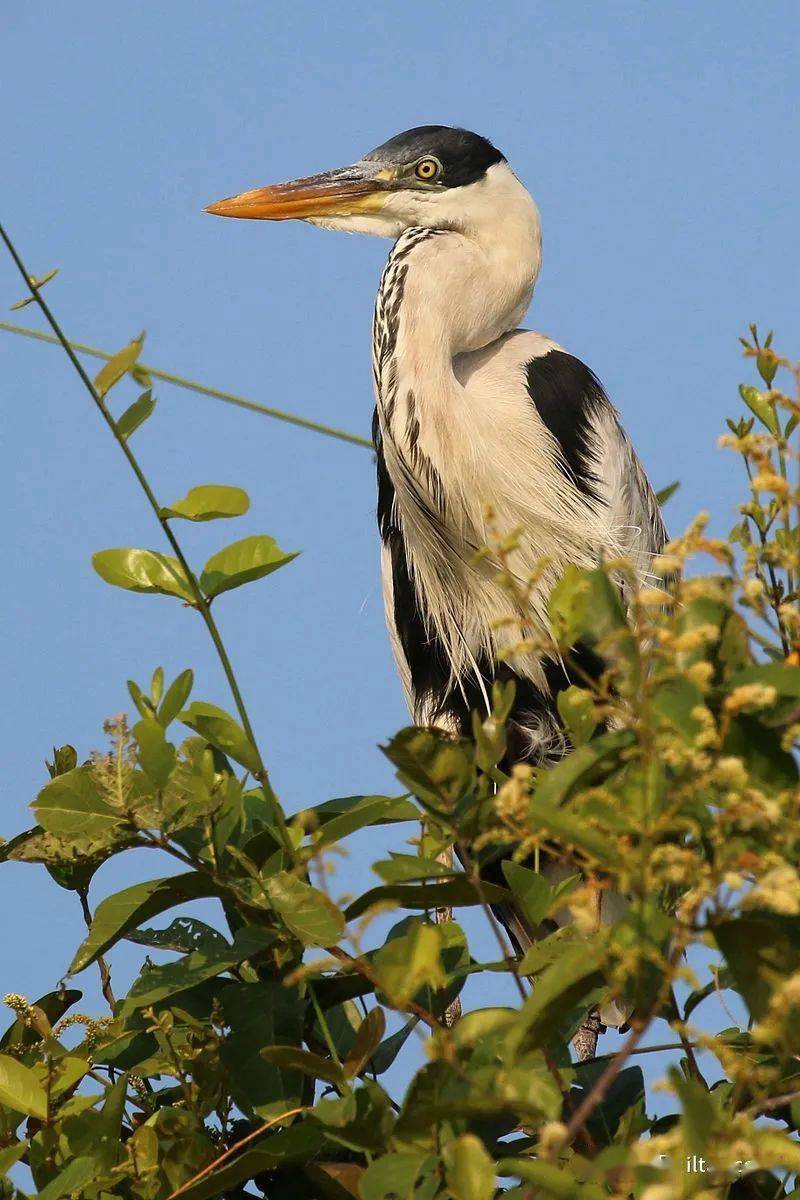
{"points": [[200, 601], [202, 389]]}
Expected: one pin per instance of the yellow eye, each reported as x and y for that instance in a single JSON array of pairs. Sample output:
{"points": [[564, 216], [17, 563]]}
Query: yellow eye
{"points": [[427, 169]]}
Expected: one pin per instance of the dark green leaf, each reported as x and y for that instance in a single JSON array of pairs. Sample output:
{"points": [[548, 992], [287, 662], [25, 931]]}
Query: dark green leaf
{"points": [[531, 892], [761, 951], [259, 1015], [184, 935], [242, 562], [666, 493], [364, 811], [156, 984], [459, 892], [208, 502], [124, 911], [53, 1005], [293, 1058], [144, 571]]}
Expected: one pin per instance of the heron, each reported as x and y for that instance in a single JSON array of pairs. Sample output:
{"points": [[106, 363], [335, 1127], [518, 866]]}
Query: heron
{"points": [[478, 426]]}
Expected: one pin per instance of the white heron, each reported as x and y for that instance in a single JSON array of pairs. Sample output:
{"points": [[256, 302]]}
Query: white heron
{"points": [[474, 416]]}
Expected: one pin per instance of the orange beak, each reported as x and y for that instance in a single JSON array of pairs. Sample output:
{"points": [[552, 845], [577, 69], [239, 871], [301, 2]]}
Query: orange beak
{"points": [[341, 193]]}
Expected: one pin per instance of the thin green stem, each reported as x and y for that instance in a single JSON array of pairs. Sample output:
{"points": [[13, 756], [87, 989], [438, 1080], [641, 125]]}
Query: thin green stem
{"points": [[202, 389], [200, 601]]}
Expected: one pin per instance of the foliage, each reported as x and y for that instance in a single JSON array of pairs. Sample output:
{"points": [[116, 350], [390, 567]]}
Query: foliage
{"points": [[252, 1058]]}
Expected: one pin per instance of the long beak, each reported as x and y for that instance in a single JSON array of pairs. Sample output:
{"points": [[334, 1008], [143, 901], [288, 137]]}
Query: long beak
{"points": [[341, 193]]}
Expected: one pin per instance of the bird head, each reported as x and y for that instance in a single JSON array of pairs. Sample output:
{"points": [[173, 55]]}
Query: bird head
{"points": [[433, 176]]}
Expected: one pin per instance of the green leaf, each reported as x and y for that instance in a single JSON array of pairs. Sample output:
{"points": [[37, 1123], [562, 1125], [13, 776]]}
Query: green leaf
{"points": [[666, 493], [119, 914], [117, 366], [549, 1180], [144, 571], [305, 910], [531, 891], [784, 677], [259, 1015], [183, 935], [410, 962], [298, 1143], [10, 1156], [761, 951], [70, 805], [394, 1177], [390, 809], [209, 502], [53, 1005], [407, 868], [222, 731], [556, 784], [136, 414], [156, 755], [561, 986], [470, 1170], [391, 1046], [293, 1058], [177, 694], [20, 1090], [436, 768], [73, 1179], [460, 891], [367, 1040], [767, 366], [158, 983], [363, 811], [576, 709], [761, 407], [242, 562]]}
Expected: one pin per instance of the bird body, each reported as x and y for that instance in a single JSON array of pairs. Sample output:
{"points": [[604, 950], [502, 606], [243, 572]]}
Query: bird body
{"points": [[482, 430]]}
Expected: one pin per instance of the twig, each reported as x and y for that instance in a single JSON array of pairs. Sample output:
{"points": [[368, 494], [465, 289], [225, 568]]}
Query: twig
{"points": [[102, 965], [292, 1112], [202, 389], [772, 1103], [200, 601], [657, 1049]]}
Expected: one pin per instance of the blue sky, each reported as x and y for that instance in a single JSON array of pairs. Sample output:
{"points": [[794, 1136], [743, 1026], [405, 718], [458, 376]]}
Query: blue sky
{"points": [[660, 144]]}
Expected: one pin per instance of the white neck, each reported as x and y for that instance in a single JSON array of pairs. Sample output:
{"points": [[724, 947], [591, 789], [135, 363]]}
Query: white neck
{"points": [[450, 288]]}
